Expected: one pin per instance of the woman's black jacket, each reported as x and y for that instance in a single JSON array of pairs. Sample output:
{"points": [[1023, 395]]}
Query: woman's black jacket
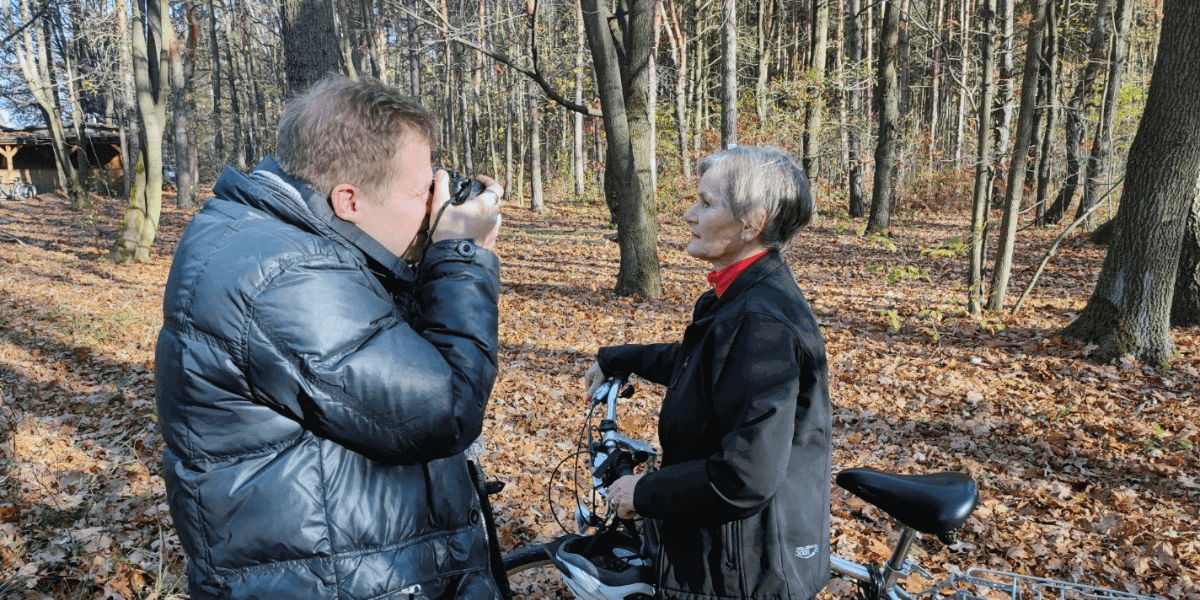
{"points": [[740, 507]]}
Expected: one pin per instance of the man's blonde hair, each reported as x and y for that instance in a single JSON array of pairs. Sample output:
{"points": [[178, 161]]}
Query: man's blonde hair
{"points": [[348, 131]]}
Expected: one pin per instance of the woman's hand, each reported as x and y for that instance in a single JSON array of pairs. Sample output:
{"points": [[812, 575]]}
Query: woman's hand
{"points": [[620, 496], [593, 378]]}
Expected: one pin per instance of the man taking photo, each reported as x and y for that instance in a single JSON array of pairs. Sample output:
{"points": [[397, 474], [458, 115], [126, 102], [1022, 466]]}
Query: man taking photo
{"points": [[325, 359]]}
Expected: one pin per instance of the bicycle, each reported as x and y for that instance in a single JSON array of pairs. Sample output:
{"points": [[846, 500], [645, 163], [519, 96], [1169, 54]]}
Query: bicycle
{"points": [[932, 504], [18, 190]]}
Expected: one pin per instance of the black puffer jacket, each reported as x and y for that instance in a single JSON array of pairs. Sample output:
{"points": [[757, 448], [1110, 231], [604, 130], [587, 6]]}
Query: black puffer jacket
{"points": [[740, 507], [316, 399]]}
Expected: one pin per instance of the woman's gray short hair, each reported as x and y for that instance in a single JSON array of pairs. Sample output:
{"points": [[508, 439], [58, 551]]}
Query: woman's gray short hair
{"points": [[766, 178]]}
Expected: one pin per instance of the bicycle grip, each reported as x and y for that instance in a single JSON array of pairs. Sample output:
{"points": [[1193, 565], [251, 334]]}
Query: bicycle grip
{"points": [[624, 465]]}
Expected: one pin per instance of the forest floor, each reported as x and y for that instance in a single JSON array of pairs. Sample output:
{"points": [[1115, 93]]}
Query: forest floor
{"points": [[1087, 471]]}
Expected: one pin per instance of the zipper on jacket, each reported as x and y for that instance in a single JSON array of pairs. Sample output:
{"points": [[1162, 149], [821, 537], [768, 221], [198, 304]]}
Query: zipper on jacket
{"points": [[487, 538]]}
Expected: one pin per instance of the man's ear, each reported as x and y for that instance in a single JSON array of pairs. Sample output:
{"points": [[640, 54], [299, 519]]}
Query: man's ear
{"points": [[346, 202]]}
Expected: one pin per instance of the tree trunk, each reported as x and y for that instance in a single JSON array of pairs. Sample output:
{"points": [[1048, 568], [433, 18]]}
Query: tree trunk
{"points": [[414, 54], [1002, 118], [679, 54], [1098, 159], [981, 198], [343, 25], [812, 111], [729, 86], [625, 116], [960, 138], [903, 74], [854, 95], [152, 24], [934, 110], [536, 201], [183, 67], [1129, 311], [1185, 304], [1015, 191], [888, 144], [79, 191], [762, 55], [217, 121], [577, 157], [310, 43], [235, 104], [1049, 82], [35, 58], [1076, 128]]}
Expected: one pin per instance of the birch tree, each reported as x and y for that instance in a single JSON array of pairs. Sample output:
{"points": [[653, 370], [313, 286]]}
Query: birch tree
{"points": [[151, 74]]}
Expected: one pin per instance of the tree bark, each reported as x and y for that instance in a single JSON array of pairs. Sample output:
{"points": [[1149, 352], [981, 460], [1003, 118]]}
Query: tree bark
{"points": [[762, 54], [1049, 82], [1003, 117], [1098, 158], [235, 80], [1185, 303], [577, 153], [679, 54], [815, 106], [933, 113], [960, 138], [981, 198], [183, 67], [854, 95], [626, 132], [1129, 310], [217, 120], [729, 85], [414, 55], [1015, 191], [888, 143], [310, 43], [151, 74], [1074, 117], [35, 59], [537, 202]]}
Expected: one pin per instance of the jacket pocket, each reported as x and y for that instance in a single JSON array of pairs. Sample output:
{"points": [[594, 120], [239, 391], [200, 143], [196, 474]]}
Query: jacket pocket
{"points": [[449, 493], [731, 559]]}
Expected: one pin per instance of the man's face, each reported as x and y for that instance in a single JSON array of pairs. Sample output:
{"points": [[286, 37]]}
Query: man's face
{"points": [[401, 219]]}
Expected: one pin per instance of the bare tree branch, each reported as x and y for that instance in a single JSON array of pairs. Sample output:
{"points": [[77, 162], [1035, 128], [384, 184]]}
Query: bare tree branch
{"points": [[534, 73]]}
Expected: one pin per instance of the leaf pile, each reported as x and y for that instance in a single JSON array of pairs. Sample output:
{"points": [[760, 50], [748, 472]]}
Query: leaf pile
{"points": [[1087, 471]]}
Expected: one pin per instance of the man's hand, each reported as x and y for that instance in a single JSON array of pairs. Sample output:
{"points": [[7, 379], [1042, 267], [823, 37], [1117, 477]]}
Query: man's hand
{"points": [[477, 218], [620, 496]]}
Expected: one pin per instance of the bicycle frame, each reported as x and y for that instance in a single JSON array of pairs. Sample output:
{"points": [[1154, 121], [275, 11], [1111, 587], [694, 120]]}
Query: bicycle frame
{"points": [[609, 448], [880, 584], [873, 582]]}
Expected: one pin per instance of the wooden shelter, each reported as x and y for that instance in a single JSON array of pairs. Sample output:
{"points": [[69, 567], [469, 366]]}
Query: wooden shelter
{"points": [[26, 154]]}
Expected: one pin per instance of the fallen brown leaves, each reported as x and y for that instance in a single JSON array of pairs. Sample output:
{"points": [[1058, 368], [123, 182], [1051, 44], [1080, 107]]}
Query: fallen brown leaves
{"points": [[1087, 471]]}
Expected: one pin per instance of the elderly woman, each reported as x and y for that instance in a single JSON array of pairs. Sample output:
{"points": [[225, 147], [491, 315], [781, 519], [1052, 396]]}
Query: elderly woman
{"points": [[740, 505]]}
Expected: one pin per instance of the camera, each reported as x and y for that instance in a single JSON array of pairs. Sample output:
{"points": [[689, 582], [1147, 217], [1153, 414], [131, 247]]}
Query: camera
{"points": [[461, 188]]}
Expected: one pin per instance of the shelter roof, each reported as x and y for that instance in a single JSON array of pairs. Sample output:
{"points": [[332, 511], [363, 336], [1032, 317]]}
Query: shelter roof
{"points": [[94, 133]]}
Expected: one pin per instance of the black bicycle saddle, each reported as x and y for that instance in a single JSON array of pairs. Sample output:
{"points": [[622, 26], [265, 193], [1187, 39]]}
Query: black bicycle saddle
{"points": [[933, 503]]}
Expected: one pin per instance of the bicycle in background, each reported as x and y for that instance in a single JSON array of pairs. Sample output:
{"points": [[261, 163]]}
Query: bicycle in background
{"points": [[609, 564], [18, 190]]}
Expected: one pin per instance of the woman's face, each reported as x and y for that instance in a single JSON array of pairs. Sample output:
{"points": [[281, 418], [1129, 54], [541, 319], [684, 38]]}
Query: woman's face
{"points": [[716, 235]]}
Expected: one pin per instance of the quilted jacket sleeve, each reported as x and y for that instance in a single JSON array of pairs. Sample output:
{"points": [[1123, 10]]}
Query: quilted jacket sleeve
{"points": [[343, 364]]}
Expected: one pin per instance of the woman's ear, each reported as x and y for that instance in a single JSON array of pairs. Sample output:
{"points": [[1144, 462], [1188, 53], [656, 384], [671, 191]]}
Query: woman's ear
{"points": [[754, 223], [345, 200]]}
